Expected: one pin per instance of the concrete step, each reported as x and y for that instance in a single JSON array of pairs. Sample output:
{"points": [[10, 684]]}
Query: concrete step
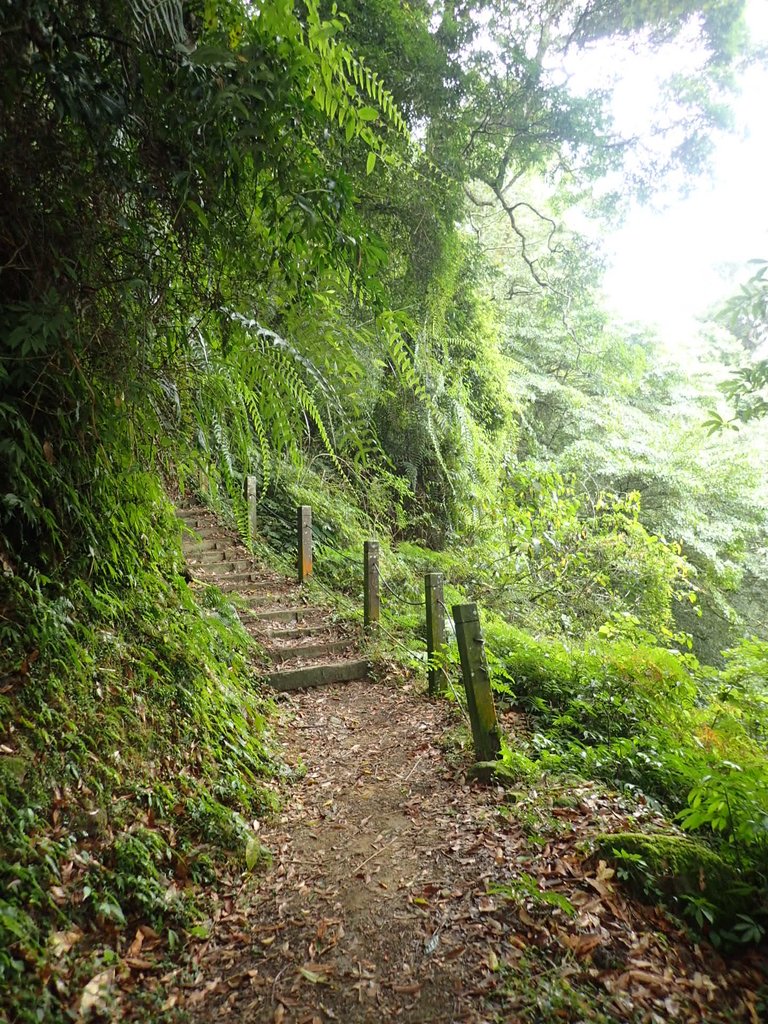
{"points": [[212, 532], [228, 579], [285, 614], [193, 543], [194, 548], [187, 515], [298, 631], [215, 556], [318, 675], [278, 598], [274, 616], [322, 649], [202, 524], [222, 568], [195, 512]]}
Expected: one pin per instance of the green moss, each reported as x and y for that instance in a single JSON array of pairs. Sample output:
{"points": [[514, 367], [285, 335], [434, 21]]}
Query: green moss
{"points": [[511, 770], [677, 869]]}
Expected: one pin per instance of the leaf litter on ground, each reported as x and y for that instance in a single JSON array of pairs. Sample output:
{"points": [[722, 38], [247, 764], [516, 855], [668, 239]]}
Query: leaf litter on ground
{"points": [[400, 891]]}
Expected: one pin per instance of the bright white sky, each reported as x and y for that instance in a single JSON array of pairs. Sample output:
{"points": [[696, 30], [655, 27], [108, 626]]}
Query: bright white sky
{"points": [[670, 266]]}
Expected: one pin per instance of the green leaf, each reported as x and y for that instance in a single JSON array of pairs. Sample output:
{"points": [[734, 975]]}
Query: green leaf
{"points": [[313, 976], [367, 113], [371, 163], [111, 911], [253, 850]]}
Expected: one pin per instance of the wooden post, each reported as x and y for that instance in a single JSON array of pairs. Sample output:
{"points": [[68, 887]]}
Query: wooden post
{"points": [[433, 592], [372, 599], [252, 498], [305, 542], [477, 682]]}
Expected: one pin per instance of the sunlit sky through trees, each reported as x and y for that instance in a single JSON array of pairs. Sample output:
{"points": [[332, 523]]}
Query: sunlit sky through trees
{"points": [[672, 260]]}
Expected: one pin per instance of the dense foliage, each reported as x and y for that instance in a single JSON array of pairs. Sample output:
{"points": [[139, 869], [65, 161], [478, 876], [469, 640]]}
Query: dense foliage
{"points": [[325, 244]]}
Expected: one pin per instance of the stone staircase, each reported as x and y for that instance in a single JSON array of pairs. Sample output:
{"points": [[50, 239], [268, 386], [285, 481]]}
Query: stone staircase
{"points": [[304, 645]]}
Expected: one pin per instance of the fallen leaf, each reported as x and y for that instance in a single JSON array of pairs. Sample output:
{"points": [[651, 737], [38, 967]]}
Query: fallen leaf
{"points": [[526, 918], [58, 895], [455, 952], [313, 976], [96, 993], [641, 978], [60, 943], [138, 964], [580, 944], [601, 882], [138, 941], [253, 851]]}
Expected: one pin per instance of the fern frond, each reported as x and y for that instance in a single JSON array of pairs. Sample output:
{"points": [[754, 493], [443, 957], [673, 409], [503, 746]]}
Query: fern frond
{"points": [[154, 19], [249, 400]]}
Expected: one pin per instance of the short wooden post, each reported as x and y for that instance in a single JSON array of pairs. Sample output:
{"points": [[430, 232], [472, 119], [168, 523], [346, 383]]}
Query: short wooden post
{"points": [[305, 542], [477, 682], [372, 598], [433, 593], [252, 500]]}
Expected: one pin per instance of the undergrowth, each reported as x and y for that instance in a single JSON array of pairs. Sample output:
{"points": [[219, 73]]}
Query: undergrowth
{"points": [[133, 759], [604, 699]]}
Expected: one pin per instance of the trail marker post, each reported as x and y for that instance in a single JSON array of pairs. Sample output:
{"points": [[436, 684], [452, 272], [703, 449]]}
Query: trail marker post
{"points": [[433, 594], [252, 498], [372, 597], [477, 683], [305, 542]]}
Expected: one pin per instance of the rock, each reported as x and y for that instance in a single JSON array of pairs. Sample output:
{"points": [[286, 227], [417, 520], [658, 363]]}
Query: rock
{"points": [[675, 866]]}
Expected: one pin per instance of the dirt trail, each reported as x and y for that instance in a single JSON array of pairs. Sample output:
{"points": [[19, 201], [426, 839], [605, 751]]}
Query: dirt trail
{"points": [[376, 906], [348, 924], [399, 892]]}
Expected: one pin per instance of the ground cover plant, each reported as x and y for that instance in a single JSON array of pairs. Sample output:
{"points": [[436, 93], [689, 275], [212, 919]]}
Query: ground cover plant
{"points": [[326, 246], [135, 756], [609, 687]]}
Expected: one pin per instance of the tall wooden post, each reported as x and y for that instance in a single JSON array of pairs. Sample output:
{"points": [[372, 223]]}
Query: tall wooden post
{"points": [[433, 593], [305, 542], [372, 598], [477, 682], [252, 499]]}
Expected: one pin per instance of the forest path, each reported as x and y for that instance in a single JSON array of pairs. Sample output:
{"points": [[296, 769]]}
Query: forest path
{"points": [[375, 906], [398, 891], [379, 902]]}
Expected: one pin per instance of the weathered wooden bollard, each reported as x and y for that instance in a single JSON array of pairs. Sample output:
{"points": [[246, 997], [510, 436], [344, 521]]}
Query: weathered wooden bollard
{"points": [[305, 542], [252, 499], [372, 598], [433, 593], [477, 682]]}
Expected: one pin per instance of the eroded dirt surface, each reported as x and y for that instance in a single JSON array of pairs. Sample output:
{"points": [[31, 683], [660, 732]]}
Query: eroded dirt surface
{"points": [[380, 902]]}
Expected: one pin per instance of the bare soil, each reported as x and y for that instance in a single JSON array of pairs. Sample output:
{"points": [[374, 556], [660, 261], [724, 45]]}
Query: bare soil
{"points": [[382, 903]]}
